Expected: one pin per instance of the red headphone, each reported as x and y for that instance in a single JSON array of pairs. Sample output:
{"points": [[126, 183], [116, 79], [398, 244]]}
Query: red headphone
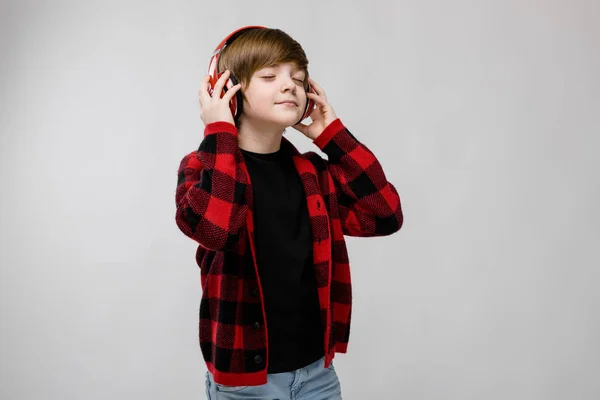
{"points": [[236, 102]]}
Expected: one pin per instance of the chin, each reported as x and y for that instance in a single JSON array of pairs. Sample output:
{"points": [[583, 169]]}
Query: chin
{"points": [[285, 122], [277, 119]]}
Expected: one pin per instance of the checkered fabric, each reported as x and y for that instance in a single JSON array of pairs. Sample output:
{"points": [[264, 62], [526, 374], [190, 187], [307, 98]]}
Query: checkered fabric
{"points": [[348, 194]]}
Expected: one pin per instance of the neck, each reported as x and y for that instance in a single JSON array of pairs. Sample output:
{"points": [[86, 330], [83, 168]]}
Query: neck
{"points": [[259, 139]]}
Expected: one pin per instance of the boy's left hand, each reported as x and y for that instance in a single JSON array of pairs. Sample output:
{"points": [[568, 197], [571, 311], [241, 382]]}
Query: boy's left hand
{"points": [[321, 116]]}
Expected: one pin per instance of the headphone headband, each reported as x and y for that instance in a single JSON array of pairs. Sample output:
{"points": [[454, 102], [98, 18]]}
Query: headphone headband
{"points": [[212, 67]]}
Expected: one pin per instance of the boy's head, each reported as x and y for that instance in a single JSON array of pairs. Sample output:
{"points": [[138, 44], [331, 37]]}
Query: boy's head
{"points": [[272, 68]]}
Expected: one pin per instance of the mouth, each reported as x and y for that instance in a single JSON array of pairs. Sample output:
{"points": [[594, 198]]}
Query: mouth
{"points": [[289, 103]]}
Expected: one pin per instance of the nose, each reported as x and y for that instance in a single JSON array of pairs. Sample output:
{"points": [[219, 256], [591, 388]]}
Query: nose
{"points": [[288, 84]]}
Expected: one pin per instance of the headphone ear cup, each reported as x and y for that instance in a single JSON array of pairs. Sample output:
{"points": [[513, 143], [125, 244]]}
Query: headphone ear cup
{"points": [[237, 101], [311, 102], [310, 105]]}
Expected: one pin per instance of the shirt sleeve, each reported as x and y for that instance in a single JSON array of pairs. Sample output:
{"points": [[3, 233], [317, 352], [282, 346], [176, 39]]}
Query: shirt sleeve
{"points": [[211, 186], [368, 204]]}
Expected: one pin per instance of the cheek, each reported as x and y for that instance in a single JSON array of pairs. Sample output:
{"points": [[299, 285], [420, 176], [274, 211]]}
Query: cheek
{"points": [[257, 104]]}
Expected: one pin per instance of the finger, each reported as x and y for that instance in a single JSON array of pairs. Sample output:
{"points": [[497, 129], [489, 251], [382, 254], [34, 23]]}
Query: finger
{"points": [[231, 92], [220, 83], [203, 94], [316, 87], [318, 99]]}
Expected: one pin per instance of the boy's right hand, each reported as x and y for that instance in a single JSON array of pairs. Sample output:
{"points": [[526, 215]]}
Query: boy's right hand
{"points": [[216, 108]]}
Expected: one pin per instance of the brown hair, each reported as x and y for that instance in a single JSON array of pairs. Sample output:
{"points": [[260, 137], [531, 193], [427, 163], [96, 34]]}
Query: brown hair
{"points": [[259, 48]]}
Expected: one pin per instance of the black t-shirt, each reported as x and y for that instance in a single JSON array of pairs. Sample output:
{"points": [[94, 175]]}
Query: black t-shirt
{"points": [[284, 256]]}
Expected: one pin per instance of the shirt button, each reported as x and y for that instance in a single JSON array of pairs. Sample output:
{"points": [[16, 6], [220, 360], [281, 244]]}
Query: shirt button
{"points": [[256, 325], [258, 359]]}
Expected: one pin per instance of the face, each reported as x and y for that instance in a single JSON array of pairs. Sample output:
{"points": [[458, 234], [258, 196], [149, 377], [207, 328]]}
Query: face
{"points": [[275, 96]]}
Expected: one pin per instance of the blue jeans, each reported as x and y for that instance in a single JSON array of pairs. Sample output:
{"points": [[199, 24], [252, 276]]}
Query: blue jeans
{"points": [[313, 382]]}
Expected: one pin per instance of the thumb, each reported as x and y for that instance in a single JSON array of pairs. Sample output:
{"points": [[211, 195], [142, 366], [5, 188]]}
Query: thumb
{"points": [[301, 128]]}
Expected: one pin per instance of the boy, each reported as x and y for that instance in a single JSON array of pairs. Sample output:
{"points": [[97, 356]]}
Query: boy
{"points": [[270, 223]]}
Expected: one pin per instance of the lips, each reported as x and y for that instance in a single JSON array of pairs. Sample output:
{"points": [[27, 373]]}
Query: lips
{"points": [[289, 102]]}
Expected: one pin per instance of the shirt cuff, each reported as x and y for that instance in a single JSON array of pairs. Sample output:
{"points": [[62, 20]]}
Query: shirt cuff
{"points": [[328, 133], [220, 126]]}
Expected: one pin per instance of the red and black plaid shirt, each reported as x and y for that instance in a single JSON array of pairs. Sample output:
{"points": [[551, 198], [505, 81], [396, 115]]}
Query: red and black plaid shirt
{"points": [[346, 195]]}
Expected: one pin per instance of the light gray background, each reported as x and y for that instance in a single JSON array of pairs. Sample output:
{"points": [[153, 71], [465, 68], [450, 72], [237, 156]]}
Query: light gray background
{"points": [[484, 114]]}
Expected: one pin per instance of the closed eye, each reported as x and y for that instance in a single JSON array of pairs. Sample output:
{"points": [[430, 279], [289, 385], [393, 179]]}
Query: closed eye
{"points": [[272, 77]]}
